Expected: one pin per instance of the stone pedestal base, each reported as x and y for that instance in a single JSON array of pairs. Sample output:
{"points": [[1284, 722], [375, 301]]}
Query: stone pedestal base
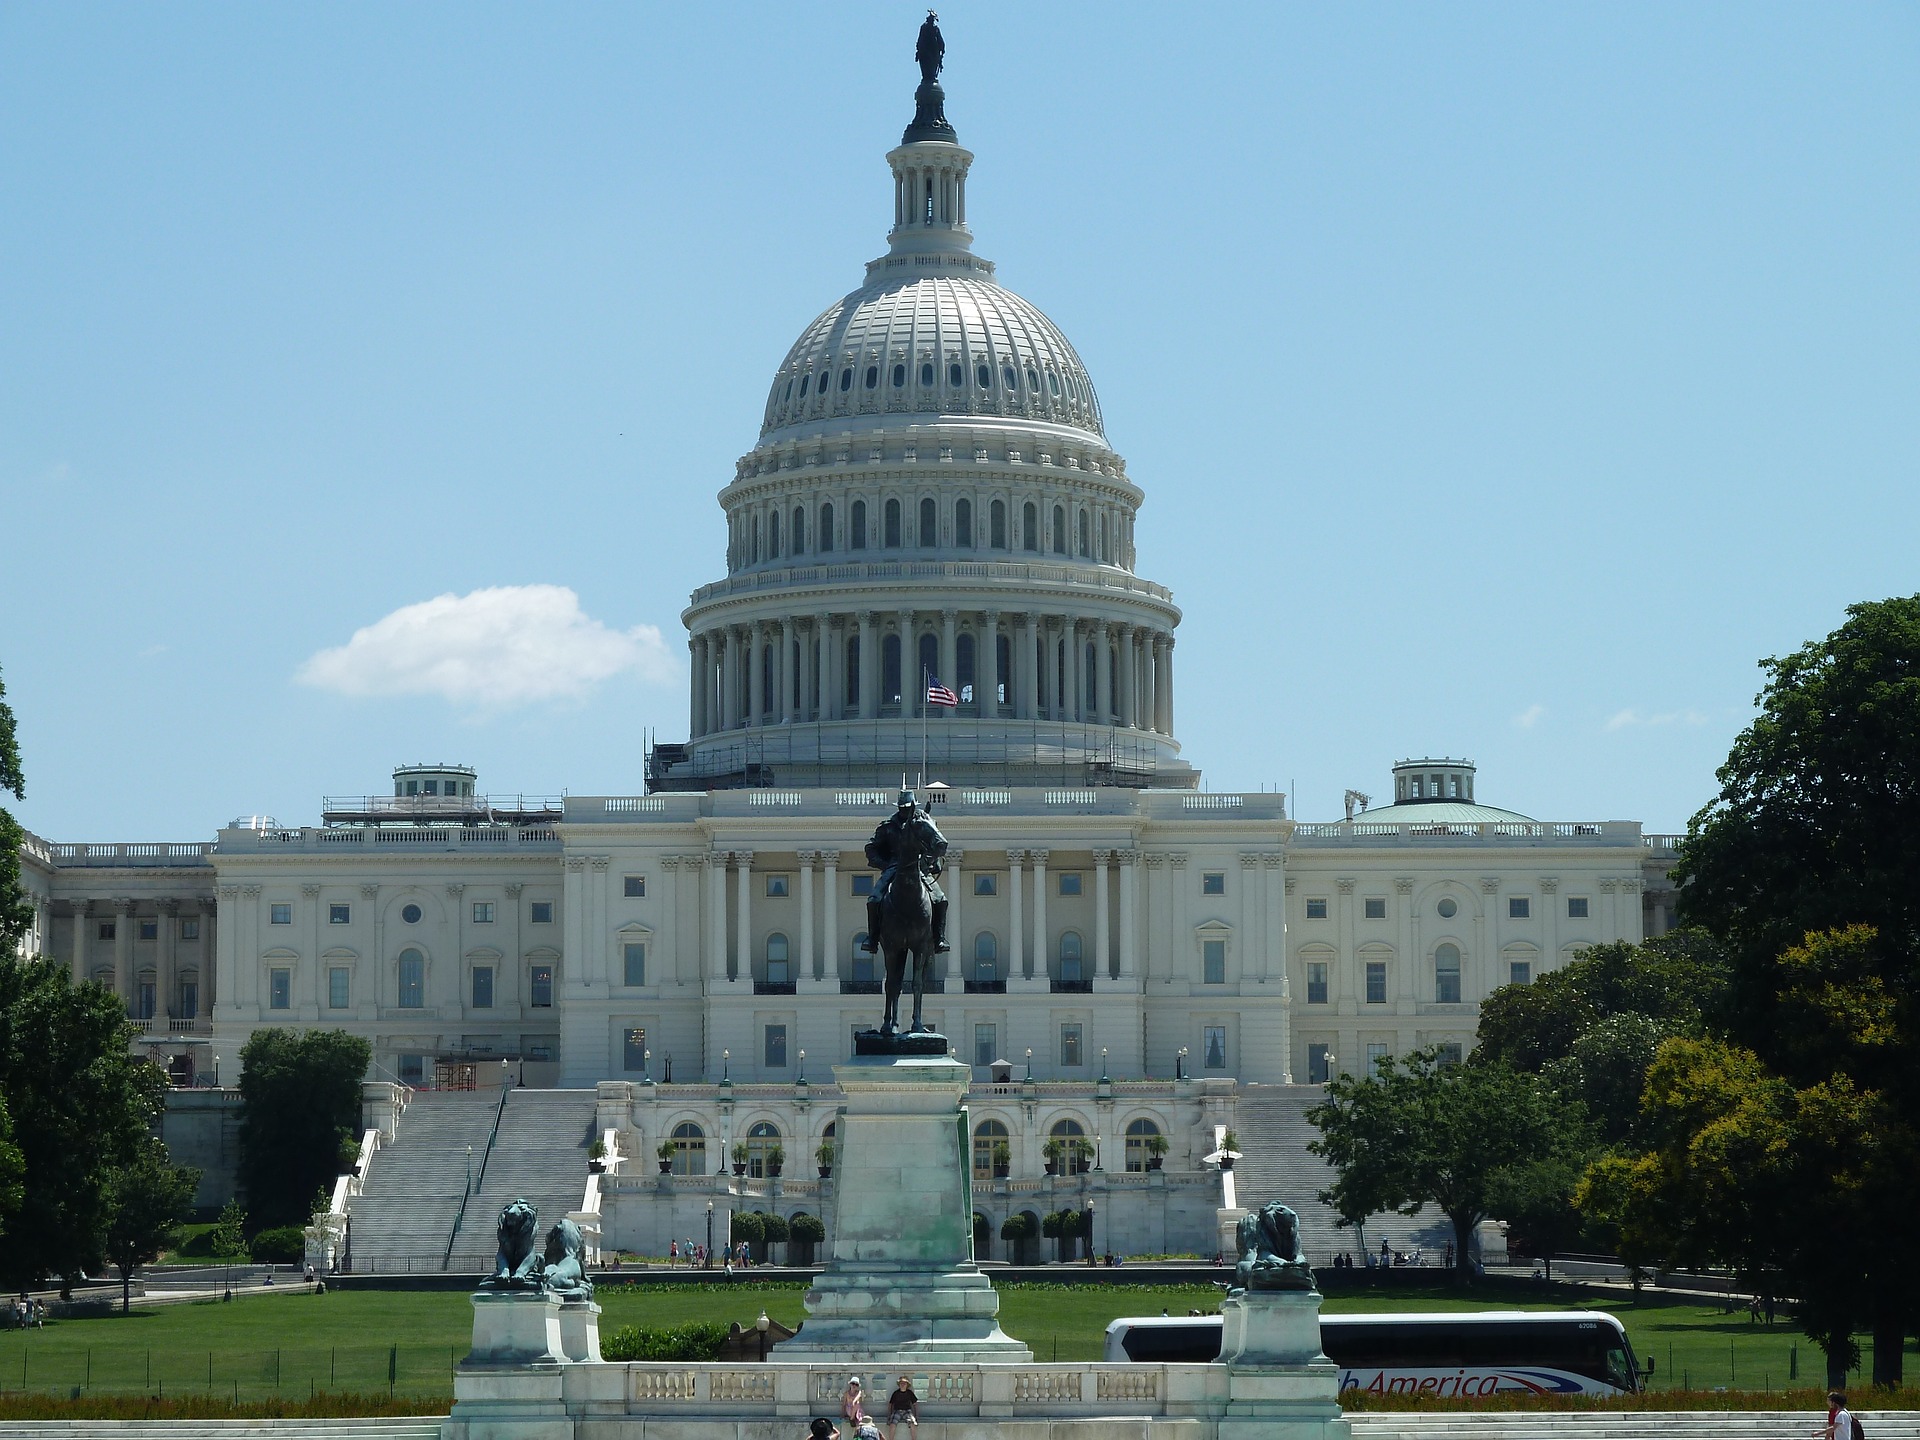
{"points": [[580, 1331], [517, 1328], [1279, 1381], [509, 1387], [897, 1318]]}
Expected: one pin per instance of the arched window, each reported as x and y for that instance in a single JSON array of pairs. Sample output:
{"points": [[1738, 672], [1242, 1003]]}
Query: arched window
{"points": [[963, 673], [929, 525], [873, 376], [890, 669], [1076, 1151], [956, 378], [412, 977], [1059, 529], [1072, 963], [929, 658], [799, 531], [1140, 1135], [846, 380], [1030, 528], [1003, 667], [1446, 974], [997, 525], [762, 1139], [1103, 555], [986, 959], [857, 526], [756, 540], [852, 697], [689, 1149], [926, 374], [825, 538], [963, 524], [986, 1136], [1083, 528], [899, 376], [892, 525], [773, 535], [778, 970], [1089, 682]]}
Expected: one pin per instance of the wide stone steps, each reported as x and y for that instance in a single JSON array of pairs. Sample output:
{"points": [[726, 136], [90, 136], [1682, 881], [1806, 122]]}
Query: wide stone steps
{"points": [[540, 1155], [402, 1219]]}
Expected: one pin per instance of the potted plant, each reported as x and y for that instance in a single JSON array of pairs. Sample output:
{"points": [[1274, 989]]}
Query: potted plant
{"points": [[666, 1150], [597, 1158], [1156, 1150], [740, 1158], [1053, 1151], [1229, 1150], [776, 1158], [1002, 1159], [824, 1156], [1080, 1152]]}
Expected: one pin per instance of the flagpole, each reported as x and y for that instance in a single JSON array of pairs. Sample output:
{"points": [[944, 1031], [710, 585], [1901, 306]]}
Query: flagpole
{"points": [[923, 727]]}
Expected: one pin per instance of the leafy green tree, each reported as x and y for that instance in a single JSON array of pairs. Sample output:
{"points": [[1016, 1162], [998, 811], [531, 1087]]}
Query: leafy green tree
{"points": [[16, 915], [299, 1117], [229, 1234], [1536, 1199], [81, 1105], [147, 1199], [1606, 1068], [1423, 1131]]}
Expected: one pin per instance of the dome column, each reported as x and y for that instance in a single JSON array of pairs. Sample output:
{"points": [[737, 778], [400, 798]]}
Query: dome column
{"points": [[780, 632], [825, 705], [756, 674], [697, 718], [1103, 674], [729, 678], [1029, 705], [986, 664], [950, 654], [909, 664], [1125, 717], [869, 669], [1076, 686], [1163, 684]]}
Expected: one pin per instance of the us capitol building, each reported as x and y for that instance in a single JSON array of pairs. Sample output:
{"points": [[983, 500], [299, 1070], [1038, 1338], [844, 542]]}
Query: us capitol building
{"points": [[932, 492]]}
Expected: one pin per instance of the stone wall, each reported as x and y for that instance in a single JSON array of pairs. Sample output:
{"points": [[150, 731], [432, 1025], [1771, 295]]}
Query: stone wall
{"points": [[202, 1128]]}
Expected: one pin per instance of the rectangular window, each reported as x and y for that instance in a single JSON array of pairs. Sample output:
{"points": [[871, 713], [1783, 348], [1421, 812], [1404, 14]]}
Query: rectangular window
{"points": [[1449, 1055], [337, 987], [1070, 1045], [634, 954], [1213, 882], [1316, 982], [633, 1050], [339, 914], [776, 887], [189, 999], [636, 887], [1316, 909], [1376, 982], [483, 987], [1576, 907], [863, 968], [1069, 884], [1519, 972], [483, 912], [1318, 1068], [986, 884], [540, 987], [986, 1042], [413, 981], [1519, 907], [1213, 962], [1375, 1054], [280, 914], [775, 1048], [1213, 1047], [412, 1068], [190, 929], [1376, 908], [539, 1047], [1446, 975], [862, 885], [540, 912], [149, 929]]}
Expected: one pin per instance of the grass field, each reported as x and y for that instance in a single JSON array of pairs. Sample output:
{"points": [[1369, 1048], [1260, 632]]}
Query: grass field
{"points": [[295, 1343]]}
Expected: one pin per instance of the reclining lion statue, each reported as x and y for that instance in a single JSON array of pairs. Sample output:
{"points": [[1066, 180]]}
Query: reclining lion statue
{"points": [[1270, 1257], [566, 1273], [516, 1264]]}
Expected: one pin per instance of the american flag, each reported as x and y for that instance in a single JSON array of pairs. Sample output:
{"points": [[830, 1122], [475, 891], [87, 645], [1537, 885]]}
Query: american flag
{"points": [[938, 694]]}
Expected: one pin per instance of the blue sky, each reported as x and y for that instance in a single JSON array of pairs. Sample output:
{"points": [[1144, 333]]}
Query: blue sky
{"points": [[1504, 380]]}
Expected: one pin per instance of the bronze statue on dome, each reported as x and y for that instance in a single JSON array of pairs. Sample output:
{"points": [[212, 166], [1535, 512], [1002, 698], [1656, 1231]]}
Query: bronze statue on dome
{"points": [[930, 49]]}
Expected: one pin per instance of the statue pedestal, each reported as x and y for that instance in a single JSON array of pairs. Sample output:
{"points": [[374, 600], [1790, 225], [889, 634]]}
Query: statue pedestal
{"points": [[509, 1387], [1279, 1381], [516, 1327], [900, 1283], [580, 1331]]}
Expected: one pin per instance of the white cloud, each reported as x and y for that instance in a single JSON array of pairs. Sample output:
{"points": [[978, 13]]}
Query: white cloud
{"points": [[1625, 718], [1531, 716], [493, 649]]}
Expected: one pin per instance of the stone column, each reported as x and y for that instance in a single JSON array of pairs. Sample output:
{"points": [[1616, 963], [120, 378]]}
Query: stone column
{"points": [[163, 965], [729, 679], [79, 960], [124, 921], [911, 696], [574, 910], [316, 976], [830, 947], [756, 674], [1129, 916], [950, 657], [869, 668], [1252, 922], [1124, 696], [954, 883], [1101, 859], [1550, 930], [227, 961], [1029, 669], [717, 918], [779, 633], [1169, 701], [1408, 957], [1042, 961], [1162, 696], [1102, 673], [805, 857], [986, 665], [827, 701], [1273, 963], [1156, 909], [1016, 969], [743, 917], [696, 692]]}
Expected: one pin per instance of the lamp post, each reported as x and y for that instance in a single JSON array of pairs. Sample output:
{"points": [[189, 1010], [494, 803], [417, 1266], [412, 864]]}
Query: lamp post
{"points": [[469, 1169], [726, 1067], [216, 1072], [1103, 1065], [1029, 1062], [801, 1078], [709, 1234], [761, 1325], [1180, 1064], [1090, 1247], [506, 1073], [646, 1067]]}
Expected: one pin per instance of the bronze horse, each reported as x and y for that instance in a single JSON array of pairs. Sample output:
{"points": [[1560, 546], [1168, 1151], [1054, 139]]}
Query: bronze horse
{"points": [[906, 928]]}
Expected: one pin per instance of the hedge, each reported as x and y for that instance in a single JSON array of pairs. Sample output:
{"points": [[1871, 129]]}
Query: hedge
{"points": [[699, 1340]]}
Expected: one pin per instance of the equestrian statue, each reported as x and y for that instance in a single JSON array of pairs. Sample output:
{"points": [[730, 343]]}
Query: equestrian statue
{"points": [[907, 912]]}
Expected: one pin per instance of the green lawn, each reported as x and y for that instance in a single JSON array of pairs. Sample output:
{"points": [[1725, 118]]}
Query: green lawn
{"points": [[294, 1343]]}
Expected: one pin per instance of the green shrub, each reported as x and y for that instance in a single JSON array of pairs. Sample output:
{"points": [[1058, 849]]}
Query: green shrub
{"points": [[698, 1341], [807, 1228], [747, 1226], [286, 1245], [228, 1236], [774, 1228]]}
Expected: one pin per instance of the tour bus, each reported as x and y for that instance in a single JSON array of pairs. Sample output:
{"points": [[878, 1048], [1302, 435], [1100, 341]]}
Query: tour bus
{"points": [[1547, 1352]]}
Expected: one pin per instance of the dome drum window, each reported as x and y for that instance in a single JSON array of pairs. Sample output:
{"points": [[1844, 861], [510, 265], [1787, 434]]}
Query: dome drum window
{"points": [[899, 376], [846, 380], [983, 373], [926, 374], [873, 376], [956, 377]]}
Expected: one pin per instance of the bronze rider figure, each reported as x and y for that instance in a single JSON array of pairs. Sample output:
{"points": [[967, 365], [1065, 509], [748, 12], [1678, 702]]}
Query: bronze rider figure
{"points": [[883, 851]]}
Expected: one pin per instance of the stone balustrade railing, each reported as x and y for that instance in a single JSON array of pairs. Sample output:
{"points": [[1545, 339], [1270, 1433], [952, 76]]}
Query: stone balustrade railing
{"points": [[142, 854], [877, 572], [1515, 832], [680, 808], [308, 839]]}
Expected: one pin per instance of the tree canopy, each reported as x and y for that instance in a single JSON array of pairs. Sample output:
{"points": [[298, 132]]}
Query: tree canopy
{"points": [[299, 1118], [146, 1199]]}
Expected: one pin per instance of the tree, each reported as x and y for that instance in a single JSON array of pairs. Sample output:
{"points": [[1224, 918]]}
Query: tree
{"points": [[299, 1117], [146, 1199], [1017, 1231], [1536, 1199], [81, 1105], [16, 915], [1425, 1131], [805, 1231]]}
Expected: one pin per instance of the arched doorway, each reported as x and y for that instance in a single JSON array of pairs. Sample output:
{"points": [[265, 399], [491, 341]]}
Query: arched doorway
{"points": [[982, 1238]]}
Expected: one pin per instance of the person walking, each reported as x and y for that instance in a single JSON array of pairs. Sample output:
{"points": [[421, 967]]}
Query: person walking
{"points": [[1840, 1422]]}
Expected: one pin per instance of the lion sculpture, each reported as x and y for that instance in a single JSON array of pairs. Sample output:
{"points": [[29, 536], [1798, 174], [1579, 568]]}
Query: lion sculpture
{"points": [[516, 1264], [566, 1273], [1270, 1257]]}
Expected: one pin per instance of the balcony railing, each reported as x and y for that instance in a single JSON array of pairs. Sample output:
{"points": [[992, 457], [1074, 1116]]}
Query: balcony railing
{"points": [[1071, 987], [775, 987], [986, 987], [859, 987]]}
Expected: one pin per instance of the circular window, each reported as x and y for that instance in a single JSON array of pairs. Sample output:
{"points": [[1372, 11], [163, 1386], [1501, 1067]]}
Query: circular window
{"points": [[1447, 908], [410, 914]]}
